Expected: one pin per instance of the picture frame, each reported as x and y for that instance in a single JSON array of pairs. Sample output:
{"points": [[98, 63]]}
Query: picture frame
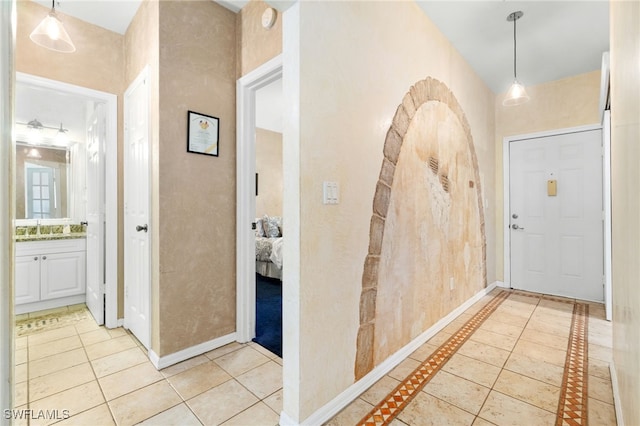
{"points": [[203, 134]]}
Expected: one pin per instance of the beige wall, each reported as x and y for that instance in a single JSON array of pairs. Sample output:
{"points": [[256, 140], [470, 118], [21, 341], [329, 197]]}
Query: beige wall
{"points": [[98, 63], [625, 182], [256, 45], [269, 169], [560, 104], [349, 92], [196, 193]]}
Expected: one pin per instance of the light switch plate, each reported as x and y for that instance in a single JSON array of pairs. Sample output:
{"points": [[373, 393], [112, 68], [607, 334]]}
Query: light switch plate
{"points": [[330, 192]]}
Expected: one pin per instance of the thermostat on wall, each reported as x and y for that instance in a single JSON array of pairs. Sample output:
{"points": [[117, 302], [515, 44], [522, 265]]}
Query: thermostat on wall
{"points": [[269, 18]]}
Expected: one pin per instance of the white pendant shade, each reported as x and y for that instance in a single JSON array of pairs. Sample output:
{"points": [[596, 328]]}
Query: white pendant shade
{"points": [[52, 35], [516, 95]]}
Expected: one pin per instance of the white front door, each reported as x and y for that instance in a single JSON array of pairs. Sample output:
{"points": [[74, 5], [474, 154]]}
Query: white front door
{"points": [[556, 216], [137, 250], [96, 136]]}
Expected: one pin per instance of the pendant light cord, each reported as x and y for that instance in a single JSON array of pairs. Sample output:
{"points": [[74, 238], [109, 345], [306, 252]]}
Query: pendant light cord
{"points": [[515, 75]]}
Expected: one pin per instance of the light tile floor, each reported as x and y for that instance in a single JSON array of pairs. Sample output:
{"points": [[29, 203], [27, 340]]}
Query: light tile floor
{"points": [[103, 377], [509, 371]]}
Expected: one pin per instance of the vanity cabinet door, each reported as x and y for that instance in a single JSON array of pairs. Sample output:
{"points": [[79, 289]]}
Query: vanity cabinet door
{"points": [[27, 276], [62, 274]]}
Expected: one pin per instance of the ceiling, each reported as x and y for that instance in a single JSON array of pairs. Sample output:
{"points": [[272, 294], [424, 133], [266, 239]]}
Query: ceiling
{"points": [[556, 38]]}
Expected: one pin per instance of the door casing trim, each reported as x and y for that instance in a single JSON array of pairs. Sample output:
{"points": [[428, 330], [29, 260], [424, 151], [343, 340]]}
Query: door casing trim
{"points": [[246, 88], [111, 183]]}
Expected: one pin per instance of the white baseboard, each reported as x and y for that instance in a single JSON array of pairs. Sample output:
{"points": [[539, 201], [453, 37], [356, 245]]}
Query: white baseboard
{"points": [[616, 394], [190, 352], [334, 406], [501, 284], [285, 420]]}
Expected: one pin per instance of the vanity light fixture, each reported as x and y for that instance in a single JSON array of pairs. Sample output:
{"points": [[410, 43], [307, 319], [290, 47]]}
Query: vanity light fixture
{"points": [[35, 124], [517, 94], [51, 33], [34, 153], [61, 136], [36, 132]]}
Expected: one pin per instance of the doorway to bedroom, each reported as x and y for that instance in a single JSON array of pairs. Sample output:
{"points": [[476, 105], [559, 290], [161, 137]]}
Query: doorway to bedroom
{"points": [[259, 211], [268, 214]]}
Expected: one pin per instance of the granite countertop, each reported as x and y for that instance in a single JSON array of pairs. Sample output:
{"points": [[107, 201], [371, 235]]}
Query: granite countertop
{"points": [[50, 237], [49, 232]]}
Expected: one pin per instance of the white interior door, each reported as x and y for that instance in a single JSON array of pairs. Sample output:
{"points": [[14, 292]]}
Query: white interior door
{"points": [[136, 210], [557, 240], [96, 137]]}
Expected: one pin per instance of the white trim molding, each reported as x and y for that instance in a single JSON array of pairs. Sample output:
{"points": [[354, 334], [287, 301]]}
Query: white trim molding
{"points": [[617, 403], [111, 183], [7, 208], [190, 352], [333, 407], [246, 88]]}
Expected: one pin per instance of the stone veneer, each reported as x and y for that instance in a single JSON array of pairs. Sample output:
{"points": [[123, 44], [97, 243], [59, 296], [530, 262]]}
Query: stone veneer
{"points": [[428, 90]]}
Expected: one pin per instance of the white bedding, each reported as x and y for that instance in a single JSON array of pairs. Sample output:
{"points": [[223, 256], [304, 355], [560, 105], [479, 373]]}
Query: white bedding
{"points": [[269, 256], [276, 252]]}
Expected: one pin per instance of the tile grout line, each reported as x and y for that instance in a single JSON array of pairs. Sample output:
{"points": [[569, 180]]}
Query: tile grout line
{"points": [[385, 411], [573, 404], [106, 402]]}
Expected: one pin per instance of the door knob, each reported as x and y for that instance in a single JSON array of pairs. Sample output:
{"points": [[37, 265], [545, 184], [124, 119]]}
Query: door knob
{"points": [[515, 216], [141, 228], [515, 226]]}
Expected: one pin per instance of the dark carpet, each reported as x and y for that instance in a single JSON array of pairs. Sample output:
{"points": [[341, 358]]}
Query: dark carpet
{"points": [[269, 314]]}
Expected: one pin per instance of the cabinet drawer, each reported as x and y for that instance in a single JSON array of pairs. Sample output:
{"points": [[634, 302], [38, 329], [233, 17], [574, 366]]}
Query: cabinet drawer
{"points": [[56, 246]]}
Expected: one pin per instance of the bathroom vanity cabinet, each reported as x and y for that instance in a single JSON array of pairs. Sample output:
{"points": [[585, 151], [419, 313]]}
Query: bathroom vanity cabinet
{"points": [[49, 274]]}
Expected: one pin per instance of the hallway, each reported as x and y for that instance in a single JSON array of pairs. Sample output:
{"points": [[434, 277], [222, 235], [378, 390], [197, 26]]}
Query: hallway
{"points": [[505, 361]]}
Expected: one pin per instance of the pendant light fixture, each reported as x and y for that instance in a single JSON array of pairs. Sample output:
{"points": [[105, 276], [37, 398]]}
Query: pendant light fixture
{"points": [[517, 94], [51, 33]]}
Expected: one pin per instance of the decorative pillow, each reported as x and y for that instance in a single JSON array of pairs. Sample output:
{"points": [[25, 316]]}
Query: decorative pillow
{"points": [[259, 228], [270, 225], [278, 220]]}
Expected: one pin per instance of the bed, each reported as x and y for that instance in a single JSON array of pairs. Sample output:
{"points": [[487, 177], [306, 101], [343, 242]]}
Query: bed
{"points": [[269, 246]]}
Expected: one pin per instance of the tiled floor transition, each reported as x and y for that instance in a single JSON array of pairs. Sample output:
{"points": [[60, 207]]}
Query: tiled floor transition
{"points": [[513, 358], [103, 377]]}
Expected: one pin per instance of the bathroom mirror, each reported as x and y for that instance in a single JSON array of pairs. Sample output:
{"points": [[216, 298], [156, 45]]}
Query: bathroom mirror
{"points": [[51, 151], [42, 182]]}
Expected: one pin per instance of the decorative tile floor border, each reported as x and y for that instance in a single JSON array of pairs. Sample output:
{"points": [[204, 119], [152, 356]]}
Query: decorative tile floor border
{"points": [[572, 408], [394, 403], [29, 326]]}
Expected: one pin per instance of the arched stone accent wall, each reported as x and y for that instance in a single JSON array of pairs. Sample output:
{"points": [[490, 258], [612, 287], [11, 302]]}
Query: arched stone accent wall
{"points": [[436, 174]]}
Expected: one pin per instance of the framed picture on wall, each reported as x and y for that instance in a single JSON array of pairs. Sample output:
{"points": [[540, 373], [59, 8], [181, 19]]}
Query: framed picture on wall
{"points": [[203, 132]]}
